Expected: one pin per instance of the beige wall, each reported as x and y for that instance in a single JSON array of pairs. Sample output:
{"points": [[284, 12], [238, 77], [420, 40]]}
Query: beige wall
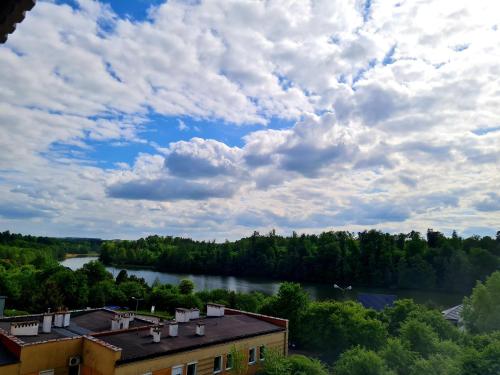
{"points": [[10, 369], [204, 357], [98, 359], [49, 355]]}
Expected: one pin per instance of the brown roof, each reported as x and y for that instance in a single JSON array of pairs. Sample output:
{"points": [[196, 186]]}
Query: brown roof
{"points": [[82, 322], [139, 344]]}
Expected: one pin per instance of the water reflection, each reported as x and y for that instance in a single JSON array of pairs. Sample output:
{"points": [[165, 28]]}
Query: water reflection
{"points": [[267, 286]]}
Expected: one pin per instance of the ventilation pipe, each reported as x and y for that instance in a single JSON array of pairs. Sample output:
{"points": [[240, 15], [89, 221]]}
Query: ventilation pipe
{"points": [[28, 328], [173, 329], [215, 310], [182, 315], [47, 323], [66, 319], [195, 314], [156, 334], [59, 319], [200, 329]]}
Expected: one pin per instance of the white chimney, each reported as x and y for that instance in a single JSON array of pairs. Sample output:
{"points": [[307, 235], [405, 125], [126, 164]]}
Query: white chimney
{"points": [[182, 315], [195, 314], [215, 310], [173, 329], [153, 309], [29, 328], [131, 317], [47, 323], [151, 329], [125, 321], [67, 318], [115, 323], [59, 319], [200, 329], [157, 334]]}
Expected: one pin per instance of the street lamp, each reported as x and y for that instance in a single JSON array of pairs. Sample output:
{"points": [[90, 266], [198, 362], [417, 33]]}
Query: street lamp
{"points": [[342, 289], [137, 302]]}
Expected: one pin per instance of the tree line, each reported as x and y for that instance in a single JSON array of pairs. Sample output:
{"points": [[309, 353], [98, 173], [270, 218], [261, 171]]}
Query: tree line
{"points": [[406, 338], [369, 258]]}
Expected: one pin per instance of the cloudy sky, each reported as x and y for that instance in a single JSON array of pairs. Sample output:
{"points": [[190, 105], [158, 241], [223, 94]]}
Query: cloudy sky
{"points": [[211, 119]]}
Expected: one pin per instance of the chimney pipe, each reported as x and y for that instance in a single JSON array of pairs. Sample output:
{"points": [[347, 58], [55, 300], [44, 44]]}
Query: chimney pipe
{"points": [[182, 315], [59, 319], [67, 318], [200, 329], [173, 329], [156, 334], [47, 323], [215, 310]]}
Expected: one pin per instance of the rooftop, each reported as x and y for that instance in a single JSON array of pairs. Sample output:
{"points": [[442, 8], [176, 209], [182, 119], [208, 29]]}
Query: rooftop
{"points": [[82, 322], [139, 344]]}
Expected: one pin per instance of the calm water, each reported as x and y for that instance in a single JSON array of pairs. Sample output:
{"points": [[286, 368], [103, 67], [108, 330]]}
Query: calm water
{"points": [[268, 286]]}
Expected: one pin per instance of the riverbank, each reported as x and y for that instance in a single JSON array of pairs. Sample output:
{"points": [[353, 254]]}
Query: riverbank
{"points": [[77, 255], [317, 291]]}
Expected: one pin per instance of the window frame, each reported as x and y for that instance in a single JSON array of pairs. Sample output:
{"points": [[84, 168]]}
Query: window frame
{"points": [[262, 353], [195, 363], [229, 355], [254, 349], [177, 367], [220, 364], [50, 371]]}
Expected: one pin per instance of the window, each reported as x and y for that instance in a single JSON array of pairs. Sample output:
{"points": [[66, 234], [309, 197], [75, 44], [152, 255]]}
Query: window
{"points": [[229, 361], [47, 372], [262, 352], [177, 370], [217, 364], [191, 368], [251, 356], [148, 373]]}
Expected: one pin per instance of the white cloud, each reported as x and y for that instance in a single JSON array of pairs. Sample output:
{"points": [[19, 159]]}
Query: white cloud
{"points": [[394, 117]]}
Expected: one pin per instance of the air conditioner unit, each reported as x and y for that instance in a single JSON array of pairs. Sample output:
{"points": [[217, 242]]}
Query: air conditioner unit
{"points": [[74, 361]]}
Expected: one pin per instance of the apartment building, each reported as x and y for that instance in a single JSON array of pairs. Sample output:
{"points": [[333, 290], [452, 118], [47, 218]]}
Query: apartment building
{"points": [[102, 342]]}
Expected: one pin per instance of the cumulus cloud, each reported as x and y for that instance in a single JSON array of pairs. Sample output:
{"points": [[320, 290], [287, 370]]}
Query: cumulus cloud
{"points": [[391, 113]]}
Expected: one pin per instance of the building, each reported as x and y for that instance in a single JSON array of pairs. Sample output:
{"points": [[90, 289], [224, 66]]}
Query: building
{"points": [[103, 342], [454, 315]]}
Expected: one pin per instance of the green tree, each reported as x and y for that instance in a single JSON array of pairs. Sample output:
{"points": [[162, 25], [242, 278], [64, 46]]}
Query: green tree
{"points": [[359, 361], [398, 357], [482, 309], [435, 365], [302, 365], [419, 337], [276, 363], [239, 365], [186, 286]]}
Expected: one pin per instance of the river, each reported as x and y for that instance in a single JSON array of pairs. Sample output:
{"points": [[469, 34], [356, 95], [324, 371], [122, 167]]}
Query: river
{"points": [[269, 286]]}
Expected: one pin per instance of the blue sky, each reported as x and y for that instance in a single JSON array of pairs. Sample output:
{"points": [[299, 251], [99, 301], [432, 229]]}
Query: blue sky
{"points": [[215, 119]]}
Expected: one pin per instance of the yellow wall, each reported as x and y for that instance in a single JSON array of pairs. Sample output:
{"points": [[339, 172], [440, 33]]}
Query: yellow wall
{"points": [[49, 355], [98, 359], [204, 357], [10, 369]]}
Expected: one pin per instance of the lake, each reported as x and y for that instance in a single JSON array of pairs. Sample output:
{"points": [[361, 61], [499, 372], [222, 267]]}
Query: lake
{"points": [[269, 286]]}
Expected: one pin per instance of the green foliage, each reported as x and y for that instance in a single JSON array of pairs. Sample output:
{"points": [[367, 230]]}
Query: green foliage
{"points": [[371, 258], [435, 365], [302, 365], [397, 356], [239, 363], [335, 326], [359, 361], [419, 337], [290, 303], [186, 286], [482, 310], [276, 364]]}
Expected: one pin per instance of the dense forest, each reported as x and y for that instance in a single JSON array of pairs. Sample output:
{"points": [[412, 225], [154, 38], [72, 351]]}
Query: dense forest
{"points": [[405, 339], [370, 258]]}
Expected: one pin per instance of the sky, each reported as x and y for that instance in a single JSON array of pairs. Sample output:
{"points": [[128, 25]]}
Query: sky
{"points": [[212, 119]]}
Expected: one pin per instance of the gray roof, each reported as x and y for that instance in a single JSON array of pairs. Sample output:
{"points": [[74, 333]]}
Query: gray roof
{"points": [[453, 313]]}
